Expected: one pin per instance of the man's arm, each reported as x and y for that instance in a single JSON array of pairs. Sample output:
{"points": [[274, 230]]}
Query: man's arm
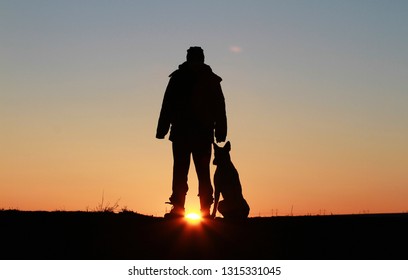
{"points": [[220, 116], [164, 122]]}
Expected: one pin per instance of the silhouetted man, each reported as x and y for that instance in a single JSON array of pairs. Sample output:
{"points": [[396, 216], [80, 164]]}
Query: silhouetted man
{"points": [[194, 107]]}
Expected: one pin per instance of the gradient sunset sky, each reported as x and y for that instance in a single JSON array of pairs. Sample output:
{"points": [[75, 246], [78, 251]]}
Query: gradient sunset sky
{"points": [[316, 94]]}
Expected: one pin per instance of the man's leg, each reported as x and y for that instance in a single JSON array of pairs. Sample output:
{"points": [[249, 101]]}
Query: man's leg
{"points": [[202, 158], [181, 164]]}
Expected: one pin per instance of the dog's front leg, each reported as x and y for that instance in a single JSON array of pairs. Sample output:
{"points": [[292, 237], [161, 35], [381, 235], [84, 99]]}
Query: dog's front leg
{"points": [[216, 199]]}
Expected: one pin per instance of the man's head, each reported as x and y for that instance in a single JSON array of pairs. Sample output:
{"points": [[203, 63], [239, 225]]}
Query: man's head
{"points": [[195, 54]]}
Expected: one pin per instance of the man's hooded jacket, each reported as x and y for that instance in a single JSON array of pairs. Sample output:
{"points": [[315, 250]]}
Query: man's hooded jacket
{"points": [[193, 105]]}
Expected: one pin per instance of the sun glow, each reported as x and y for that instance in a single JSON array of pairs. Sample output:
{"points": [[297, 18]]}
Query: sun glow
{"points": [[193, 218]]}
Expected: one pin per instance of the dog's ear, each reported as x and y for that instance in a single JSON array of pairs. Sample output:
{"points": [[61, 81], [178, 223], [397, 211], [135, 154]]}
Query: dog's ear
{"points": [[228, 146]]}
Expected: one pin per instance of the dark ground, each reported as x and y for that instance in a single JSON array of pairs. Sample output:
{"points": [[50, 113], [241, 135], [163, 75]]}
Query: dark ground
{"points": [[93, 235]]}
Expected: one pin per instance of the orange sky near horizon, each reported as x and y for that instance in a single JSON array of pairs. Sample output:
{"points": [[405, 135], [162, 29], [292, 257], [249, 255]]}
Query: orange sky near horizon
{"points": [[316, 98]]}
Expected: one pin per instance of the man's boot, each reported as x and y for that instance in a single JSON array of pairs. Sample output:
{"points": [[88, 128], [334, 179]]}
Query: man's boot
{"points": [[177, 211], [205, 205]]}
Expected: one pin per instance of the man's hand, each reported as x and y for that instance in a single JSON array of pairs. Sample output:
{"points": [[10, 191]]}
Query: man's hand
{"points": [[218, 140], [160, 135]]}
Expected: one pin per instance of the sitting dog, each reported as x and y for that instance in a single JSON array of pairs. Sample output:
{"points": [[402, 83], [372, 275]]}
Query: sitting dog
{"points": [[227, 183]]}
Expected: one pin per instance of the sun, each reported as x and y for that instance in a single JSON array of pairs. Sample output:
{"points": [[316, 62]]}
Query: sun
{"points": [[193, 218]]}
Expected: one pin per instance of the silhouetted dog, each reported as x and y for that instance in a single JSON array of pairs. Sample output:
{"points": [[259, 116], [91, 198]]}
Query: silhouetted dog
{"points": [[227, 183]]}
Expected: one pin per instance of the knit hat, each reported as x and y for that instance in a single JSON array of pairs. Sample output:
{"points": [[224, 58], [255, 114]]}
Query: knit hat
{"points": [[195, 54]]}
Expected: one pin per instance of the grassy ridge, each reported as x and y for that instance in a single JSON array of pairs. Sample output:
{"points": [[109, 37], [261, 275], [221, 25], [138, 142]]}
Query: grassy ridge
{"points": [[127, 235]]}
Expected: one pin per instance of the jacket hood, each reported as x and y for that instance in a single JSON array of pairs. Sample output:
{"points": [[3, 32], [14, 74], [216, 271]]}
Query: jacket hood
{"points": [[201, 68]]}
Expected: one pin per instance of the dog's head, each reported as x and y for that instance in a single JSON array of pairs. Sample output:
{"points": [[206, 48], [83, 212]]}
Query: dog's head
{"points": [[221, 154]]}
